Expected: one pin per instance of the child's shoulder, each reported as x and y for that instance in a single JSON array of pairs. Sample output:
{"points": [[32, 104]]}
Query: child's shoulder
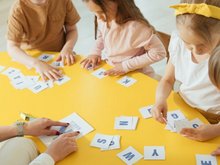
{"points": [[16, 7]]}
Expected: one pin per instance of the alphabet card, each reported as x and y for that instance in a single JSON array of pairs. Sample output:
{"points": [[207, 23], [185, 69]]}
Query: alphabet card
{"points": [[100, 73], [130, 156], [106, 142], [154, 153], [206, 160], [46, 57], [126, 122], [127, 81], [146, 111]]}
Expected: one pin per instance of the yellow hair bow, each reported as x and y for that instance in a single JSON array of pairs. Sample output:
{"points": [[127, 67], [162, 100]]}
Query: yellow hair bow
{"points": [[200, 9]]}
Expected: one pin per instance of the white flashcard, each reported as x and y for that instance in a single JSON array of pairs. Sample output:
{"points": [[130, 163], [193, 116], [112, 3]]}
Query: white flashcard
{"points": [[154, 153], [101, 141], [134, 122], [115, 143], [46, 57], [175, 115], [99, 73], [195, 123], [57, 64], [180, 124], [126, 81], [123, 123], [49, 83], [2, 68], [146, 111], [130, 156], [11, 72], [62, 80], [76, 124], [206, 160], [38, 87]]}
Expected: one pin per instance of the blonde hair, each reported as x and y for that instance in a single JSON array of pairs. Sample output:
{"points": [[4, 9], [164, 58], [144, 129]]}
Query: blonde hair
{"points": [[199, 24], [214, 67]]}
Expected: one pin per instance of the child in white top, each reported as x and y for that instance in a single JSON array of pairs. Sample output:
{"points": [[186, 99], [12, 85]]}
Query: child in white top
{"points": [[198, 36]]}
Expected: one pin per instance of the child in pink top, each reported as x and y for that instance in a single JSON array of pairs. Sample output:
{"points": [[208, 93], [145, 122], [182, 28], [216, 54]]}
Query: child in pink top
{"points": [[129, 41]]}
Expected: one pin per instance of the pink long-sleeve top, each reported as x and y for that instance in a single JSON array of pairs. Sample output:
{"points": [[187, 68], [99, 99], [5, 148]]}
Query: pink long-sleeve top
{"points": [[132, 44]]}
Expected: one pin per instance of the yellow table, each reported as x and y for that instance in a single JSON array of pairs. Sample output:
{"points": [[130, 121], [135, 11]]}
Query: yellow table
{"points": [[99, 102]]}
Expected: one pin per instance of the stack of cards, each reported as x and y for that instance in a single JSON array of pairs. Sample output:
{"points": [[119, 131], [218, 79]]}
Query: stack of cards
{"points": [[126, 123], [176, 121], [106, 142], [2, 68], [20, 81], [76, 123]]}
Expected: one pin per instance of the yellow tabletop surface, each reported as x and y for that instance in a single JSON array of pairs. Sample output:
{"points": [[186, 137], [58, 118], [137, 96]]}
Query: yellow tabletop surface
{"points": [[99, 102]]}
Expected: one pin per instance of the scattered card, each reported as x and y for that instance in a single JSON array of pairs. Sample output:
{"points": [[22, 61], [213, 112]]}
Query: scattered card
{"points": [[46, 57], [99, 73], [154, 153], [130, 155], [126, 123], [101, 141], [127, 81], [146, 111], [62, 80], [57, 64], [11, 72], [115, 143], [38, 87], [206, 160]]}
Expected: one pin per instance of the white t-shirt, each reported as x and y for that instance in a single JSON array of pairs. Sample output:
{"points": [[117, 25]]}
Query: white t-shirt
{"points": [[196, 88]]}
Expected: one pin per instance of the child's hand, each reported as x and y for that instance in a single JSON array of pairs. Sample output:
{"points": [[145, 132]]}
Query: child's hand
{"points": [[159, 112], [116, 71], [202, 133], [67, 56], [47, 72], [91, 62], [216, 152]]}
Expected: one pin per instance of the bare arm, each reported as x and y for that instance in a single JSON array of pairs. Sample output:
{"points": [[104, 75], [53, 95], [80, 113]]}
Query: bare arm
{"points": [[163, 91]]}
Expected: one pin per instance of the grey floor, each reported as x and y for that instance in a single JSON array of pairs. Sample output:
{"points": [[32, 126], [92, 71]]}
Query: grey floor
{"points": [[156, 11]]}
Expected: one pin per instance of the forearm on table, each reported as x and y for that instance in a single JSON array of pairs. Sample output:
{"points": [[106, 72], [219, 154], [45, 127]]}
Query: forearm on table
{"points": [[19, 55]]}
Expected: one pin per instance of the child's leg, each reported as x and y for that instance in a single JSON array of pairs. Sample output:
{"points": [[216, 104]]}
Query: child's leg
{"points": [[18, 151]]}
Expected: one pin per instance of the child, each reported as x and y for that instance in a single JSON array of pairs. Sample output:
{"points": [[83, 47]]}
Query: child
{"points": [[128, 38], [208, 131], [198, 24], [46, 25]]}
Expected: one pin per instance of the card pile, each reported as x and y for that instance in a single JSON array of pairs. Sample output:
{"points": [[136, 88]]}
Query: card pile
{"points": [[176, 121], [106, 142], [76, 123], [20, 81]]}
